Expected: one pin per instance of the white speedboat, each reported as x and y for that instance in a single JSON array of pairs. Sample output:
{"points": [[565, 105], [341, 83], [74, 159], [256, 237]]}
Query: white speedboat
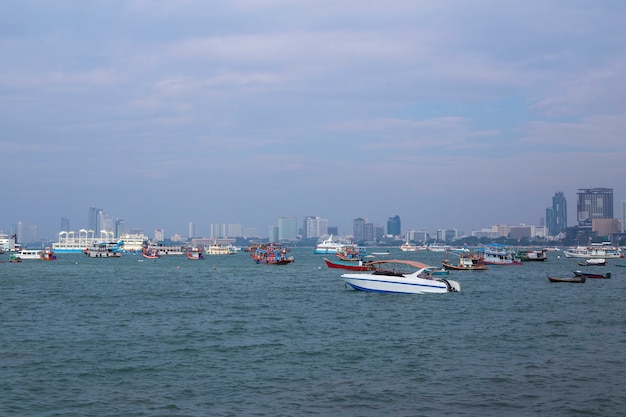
{"points": [[400, 276]]}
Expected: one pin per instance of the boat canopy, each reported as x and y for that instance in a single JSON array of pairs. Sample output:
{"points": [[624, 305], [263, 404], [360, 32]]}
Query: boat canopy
{"points": [[414, 264]]}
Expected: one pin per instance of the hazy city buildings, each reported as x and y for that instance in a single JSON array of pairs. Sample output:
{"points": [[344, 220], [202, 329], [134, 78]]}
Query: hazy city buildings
{"points": [[556, 216], [594, 203], [287, 229], [394, 227], [314, 227], [191, 230], [358, 229]]}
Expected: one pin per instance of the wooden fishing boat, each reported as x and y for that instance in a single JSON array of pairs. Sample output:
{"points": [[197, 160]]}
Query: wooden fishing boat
{"points": [[467, 262], [353, 265]]}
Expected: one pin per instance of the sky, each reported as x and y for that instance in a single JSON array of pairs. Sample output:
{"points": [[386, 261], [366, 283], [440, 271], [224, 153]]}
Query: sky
{"points": [[448, 113]]}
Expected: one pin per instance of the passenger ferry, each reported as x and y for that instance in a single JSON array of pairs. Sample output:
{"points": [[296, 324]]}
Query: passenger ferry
{"points": [[596, 250], [25, 254]]}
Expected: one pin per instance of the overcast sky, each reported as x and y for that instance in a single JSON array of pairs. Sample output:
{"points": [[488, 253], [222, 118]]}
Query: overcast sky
{"points": [[451, 114]]}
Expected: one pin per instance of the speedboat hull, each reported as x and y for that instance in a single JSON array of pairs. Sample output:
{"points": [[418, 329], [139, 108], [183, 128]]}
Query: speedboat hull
{"points": [[399, 284]]}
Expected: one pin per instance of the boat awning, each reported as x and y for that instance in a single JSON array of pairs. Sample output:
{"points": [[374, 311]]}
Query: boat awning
{"points": [[414, 264]]}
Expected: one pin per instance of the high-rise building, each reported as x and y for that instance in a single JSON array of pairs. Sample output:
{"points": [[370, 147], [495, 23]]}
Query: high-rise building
{"points": [[93, 219], [314, 227], [287, 229], [120, 227], [594, 203], [393, 226], [358, 229], [556, 216], [65, 224], [159, 235], [446, 235], [368, 232], [218, 230], [273, 234], [191, 230], [623, 216], [250, 232], [234, 230]]}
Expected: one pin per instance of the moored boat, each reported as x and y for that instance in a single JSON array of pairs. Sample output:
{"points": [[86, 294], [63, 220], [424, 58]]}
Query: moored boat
{"points": [[593, 262], [150, 253], [400, 276], [351, 265], [407, 247], [272, 255], [217, 249], [532, 255], [466, 262], [47, 254], [104, 250], [574, 279], [14, 259], [330, 246], [497, 254], [595, 250], [195, 253], [592, 275], [28, 254]]}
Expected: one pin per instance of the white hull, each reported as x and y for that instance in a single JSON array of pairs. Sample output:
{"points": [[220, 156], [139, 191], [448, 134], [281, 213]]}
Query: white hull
{"points": [[329, 246], [98, 254], [220, 250], [594, 253], [27, 254], [403, 284], [326, 250]]}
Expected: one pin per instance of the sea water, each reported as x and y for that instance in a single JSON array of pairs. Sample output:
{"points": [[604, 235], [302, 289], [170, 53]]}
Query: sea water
{"points": [[224, 336]]}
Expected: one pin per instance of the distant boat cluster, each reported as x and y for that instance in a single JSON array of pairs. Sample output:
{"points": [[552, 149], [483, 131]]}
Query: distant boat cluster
{"points": [[364, 272]]}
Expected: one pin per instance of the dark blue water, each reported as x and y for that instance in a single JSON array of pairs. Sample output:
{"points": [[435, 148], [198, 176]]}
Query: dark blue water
{"points": [[226, 337]]}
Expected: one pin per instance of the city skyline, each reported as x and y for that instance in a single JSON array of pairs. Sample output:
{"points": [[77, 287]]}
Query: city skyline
{"points": [[449, 114], [297, 225]]}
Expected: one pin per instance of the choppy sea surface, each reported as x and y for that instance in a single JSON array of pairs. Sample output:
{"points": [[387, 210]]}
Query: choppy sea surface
{"points": [[227, 337]]}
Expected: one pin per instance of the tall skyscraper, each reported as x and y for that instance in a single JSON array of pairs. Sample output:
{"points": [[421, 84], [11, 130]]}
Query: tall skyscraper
{"points": [[218, 230], [393, 226], [65, 224], [191, 230], [358, 229], [623, 216], [93, 219], [594, 203], [234, 230], [120, 227], [556, 216], [315, 226], [287, 229]]}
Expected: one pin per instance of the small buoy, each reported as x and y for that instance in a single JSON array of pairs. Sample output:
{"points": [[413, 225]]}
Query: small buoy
{"points": [[214, 267], [558, 257], [177, 266]]}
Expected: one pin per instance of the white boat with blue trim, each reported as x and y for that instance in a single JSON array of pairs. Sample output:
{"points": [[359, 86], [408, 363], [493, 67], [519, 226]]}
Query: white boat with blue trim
{"points": [[330, 246], [400, 276]]}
